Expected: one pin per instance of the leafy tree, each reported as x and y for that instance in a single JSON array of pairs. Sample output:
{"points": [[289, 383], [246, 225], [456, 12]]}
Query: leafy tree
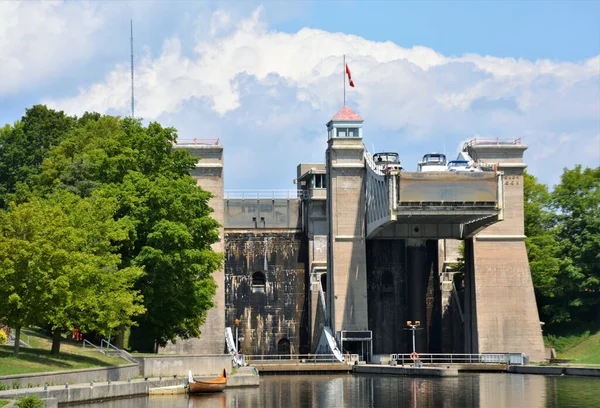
{"points": [[542, 248], [563, 245], [57, 265], [24, 146], [170, 228], [32, 241], [577, 202], [100, 295]]}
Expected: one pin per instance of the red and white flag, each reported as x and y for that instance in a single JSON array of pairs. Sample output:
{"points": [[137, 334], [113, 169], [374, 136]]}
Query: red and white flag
{"points": [[349, 76]]}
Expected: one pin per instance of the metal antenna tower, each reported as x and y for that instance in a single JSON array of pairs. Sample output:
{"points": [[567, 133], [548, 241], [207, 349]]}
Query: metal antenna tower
{"points": [[132, 95]]}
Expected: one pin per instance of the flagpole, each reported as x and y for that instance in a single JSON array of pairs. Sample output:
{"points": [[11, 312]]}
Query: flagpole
{"points": [[344, 69]]}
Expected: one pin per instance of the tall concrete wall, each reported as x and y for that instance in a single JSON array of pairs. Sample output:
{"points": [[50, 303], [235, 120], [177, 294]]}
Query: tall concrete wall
{"points": [[502, 310], [209, 175], [277, 310], [347, 282], [387, 295]]}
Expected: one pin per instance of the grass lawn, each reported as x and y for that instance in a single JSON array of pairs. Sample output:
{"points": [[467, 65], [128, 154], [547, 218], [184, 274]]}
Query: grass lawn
{"points": [[38, 358], [586, 352], [3, 402]]}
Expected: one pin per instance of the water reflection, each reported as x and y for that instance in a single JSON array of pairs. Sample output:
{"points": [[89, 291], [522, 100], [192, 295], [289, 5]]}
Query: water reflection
{"points": [[466, 390]]}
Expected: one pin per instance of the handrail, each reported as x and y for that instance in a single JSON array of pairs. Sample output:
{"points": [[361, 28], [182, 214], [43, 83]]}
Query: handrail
{"points": [[93, 345], [196, 141], [254, 194], [371, 164], [296, 358], [120, 352], [496, 141], [455, 358]]}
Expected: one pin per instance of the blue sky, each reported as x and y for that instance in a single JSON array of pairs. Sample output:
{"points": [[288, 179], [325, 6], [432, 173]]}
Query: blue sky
{"points": [[266, 77], [565, 30]]}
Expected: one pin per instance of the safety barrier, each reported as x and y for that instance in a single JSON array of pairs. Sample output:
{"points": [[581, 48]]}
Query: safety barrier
{"points": [[292, 358], [196, 141], [484, 358]]}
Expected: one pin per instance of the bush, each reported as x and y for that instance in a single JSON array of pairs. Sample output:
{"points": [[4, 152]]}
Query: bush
{"points": [[16, 385], [3, 386], [32, 401], [3, 337]]}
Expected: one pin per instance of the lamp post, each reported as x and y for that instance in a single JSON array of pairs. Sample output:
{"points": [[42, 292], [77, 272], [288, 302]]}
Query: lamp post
{"points": [[413, 327]]}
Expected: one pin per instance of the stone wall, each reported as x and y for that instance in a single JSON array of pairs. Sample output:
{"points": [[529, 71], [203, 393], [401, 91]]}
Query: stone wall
{"points": [[74, 376], [266, 288], [386, 290]]}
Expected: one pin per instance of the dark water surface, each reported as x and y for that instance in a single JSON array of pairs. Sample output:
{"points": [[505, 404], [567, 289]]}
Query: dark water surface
{"points": [[466, 390]]}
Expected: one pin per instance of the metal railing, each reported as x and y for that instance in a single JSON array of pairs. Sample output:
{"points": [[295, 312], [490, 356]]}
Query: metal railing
{"points": [[291, 358], [93, 345], [257, 194], [371, 163], [115, 349], [120, 353], [451, 358], [196, 141], [496, 141]]}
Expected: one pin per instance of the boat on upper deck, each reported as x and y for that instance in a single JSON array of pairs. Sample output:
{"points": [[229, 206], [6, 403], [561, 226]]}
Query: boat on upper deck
{"points": [[387, 161], [433, 162]]}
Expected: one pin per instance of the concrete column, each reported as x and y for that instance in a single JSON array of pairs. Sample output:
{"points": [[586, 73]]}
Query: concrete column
{"points": [[347, 281], [504, 311], [417, 269], [209, 175]]}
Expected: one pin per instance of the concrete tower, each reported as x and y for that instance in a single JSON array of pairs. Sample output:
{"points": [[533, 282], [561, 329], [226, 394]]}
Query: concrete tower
{"points": [[501, 312], [346, 277], [209, 175]]}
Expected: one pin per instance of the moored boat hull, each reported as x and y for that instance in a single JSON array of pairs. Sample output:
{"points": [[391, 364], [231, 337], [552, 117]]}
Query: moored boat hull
{"points": [[208, 386]]}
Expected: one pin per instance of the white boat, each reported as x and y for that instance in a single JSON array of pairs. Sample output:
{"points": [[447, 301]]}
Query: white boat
{"points": [[462, 166], [433, 162], [387, 161]]}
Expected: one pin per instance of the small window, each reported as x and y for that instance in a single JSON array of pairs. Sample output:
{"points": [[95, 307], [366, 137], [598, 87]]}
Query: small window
{"points": [[258, 282], [347, 132], [319, 181], [324, 282]]}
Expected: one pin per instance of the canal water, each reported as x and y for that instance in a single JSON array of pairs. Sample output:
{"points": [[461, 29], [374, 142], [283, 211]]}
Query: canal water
{"points": [[466, 390]]}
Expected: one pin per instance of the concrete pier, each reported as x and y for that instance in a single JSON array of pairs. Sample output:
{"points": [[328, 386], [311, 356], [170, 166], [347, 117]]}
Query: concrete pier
{"points": [[302, 367], [407, 371]]}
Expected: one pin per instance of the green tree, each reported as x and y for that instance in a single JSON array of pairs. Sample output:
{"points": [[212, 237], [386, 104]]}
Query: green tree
{"points": [[100, 295], [542, 248], [170, 227], [577, 202], [32, 238], [24, 146], [57, 266]]}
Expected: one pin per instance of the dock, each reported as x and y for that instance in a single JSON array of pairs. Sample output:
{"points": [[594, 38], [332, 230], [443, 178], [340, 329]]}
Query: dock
{"points": [[299, 367], [406, 370]]}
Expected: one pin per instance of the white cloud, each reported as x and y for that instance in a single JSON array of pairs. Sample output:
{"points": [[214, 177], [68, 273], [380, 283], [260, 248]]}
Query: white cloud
{"points": [[270, 93], [38, 41]]}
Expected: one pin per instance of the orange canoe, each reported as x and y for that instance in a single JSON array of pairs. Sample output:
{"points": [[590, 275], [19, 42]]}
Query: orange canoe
{"points": [[217, 384]]}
